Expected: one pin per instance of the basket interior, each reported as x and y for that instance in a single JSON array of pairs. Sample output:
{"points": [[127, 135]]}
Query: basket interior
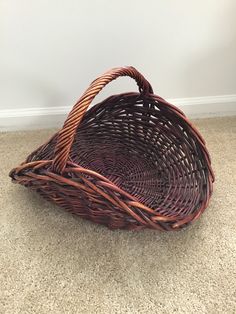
{"points": [[145, 148]]}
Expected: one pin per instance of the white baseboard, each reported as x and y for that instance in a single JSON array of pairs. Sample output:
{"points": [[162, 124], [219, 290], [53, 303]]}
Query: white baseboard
{"points": [[51, 117], [207, 107]]}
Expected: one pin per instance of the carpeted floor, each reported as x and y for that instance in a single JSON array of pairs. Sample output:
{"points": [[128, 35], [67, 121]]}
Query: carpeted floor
{"points": [[53, 262]]}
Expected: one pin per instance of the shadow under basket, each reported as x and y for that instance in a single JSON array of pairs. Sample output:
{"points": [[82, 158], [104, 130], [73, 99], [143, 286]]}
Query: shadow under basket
{"points": [[132, 161]]}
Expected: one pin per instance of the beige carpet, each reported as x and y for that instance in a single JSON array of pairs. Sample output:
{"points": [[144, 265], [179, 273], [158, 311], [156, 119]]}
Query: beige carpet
{"points": [[52, 262]]}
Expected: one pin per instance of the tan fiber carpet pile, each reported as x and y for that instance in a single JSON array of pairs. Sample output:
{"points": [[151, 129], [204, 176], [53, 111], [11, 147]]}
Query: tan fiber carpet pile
{"points": [[53, 262]]}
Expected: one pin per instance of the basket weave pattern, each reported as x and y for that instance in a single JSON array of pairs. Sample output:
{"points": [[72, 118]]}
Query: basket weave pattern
{"points": [[132, 161]]}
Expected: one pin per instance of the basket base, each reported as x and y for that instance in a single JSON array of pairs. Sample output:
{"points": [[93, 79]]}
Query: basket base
{"points": [[135, 174]]}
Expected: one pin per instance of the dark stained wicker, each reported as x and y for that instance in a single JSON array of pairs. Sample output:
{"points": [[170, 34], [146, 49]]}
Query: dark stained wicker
{"points": [[132, 161]]}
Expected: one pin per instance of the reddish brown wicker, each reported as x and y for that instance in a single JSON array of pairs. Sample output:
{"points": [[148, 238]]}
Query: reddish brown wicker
{"points": [[132, 161]]}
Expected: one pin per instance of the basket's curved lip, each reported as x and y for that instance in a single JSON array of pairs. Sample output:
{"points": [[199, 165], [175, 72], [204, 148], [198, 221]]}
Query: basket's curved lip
{"points": [[135, 202], [75, 168], [105, 182]]}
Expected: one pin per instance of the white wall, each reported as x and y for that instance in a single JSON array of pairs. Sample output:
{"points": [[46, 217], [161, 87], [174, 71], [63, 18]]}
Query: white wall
{"points": [[51, 50]]}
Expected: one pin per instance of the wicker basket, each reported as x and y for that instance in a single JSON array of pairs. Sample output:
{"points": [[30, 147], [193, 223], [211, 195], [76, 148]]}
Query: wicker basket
{"points": [[132, 161]]}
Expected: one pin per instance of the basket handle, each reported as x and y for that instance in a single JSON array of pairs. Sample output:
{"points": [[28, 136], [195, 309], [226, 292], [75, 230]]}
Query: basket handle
{"points": [[67, 133]]}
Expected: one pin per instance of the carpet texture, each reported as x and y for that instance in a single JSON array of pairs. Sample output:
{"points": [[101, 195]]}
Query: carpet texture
{"points": [[53, 262]]}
